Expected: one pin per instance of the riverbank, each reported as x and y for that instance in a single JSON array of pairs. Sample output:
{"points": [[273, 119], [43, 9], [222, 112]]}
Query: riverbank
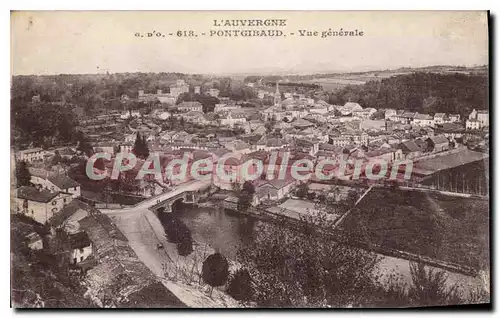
{"points": [[230, 230], [180, 274]]}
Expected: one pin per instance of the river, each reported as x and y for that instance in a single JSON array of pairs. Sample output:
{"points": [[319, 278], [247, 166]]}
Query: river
{"points": [[226, 232]]}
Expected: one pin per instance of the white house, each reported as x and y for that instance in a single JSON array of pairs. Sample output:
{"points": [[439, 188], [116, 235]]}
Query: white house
{"points": [[81, 247], [57, 183], [31, 155], [231, 119], [423, 120], [40, 205]]}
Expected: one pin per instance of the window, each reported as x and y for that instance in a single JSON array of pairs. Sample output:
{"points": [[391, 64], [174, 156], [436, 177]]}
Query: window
{"points": [[54, 202], [81, 250], [74, 260], [75, 188], [64, 200], [81, 258]]}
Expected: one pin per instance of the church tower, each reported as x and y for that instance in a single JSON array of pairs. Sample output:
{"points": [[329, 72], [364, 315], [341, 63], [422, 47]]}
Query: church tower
{"points": [[277, 95]]}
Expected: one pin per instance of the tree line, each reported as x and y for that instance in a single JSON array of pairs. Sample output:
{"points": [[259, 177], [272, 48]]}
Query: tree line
{"points": [[420, 92]]}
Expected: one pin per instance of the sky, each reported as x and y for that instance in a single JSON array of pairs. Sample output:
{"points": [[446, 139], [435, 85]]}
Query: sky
{"points": [[72, 42]]}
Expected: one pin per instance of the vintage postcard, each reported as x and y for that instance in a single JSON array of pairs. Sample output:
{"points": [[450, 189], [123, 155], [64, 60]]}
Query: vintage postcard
{"points": [[249, 159]]}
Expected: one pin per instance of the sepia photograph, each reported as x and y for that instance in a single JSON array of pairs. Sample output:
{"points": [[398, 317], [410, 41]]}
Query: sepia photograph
{"points": [[250, 159]]}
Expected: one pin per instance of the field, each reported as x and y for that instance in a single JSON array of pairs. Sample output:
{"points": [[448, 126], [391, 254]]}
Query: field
{"points": [[451, 229]]}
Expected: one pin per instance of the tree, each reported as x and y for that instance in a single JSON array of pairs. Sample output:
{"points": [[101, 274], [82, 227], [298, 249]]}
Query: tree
{"points": [[57, 158], [215, 270], [245, 196], [307, 268], [429, 287], [83, 145], [302, 190], [23, 175], [240, 285], [141, 149]]}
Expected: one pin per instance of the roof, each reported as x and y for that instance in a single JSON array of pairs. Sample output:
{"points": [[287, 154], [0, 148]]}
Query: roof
{"points": [[79, 240], [351, 105], [463, 157], [32, 194], [189, 104], [67, 211], [302, 123], [411, 146], [275, 183], [423, 117], [63, 182], [33, 237], [438, 140], [31, 150]]}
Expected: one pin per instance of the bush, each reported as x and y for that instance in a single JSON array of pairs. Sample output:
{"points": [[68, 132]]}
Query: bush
{"points": [[240, 285], [215, 270]]}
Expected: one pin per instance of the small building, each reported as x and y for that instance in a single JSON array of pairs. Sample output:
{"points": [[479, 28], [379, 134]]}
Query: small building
{"points": [[190, 106], [213, 92], [81, 247], [40, 205], [56, 182], [274, 189], [31, 155], [423, 120], [472, 124], [410, 149], [34, 241], [438, 143]]}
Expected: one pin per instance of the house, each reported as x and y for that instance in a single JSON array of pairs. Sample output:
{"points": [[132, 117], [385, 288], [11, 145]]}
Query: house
{"points": [[31, 155], [162, 114], [213, 92], [472, 124], [130, 114], [274, 189], [438, 143], [268, 144], [232, 118], [65, 152], [56, 182], [160, 96], [407, 117], [195, 117], [225, 107], [40, 205], [35, 242], [364, 113], [301, 123], [185, 107], [239, 147], [453, 118], [107, 147], [230, 203], [389, 114], [423, 120], [482, 116], [410, 149], [80, 247], [440, 118], [319, 109], [350, 107], [179, 88]]}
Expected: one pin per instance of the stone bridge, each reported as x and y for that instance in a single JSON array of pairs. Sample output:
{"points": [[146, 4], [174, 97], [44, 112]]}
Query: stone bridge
{"points": [[169, 204], [188, 192]]}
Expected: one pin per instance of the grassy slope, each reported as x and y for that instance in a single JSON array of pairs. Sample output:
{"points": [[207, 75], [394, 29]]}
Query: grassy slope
{"points": [[446, 228]]}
